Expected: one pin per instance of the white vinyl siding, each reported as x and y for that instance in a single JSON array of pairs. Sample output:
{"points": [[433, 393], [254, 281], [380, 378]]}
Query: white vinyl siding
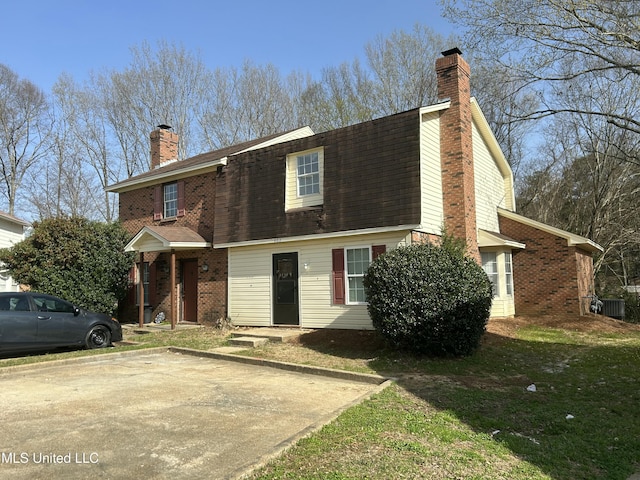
{"points": [[250, 281], [10, 234], [490, 184], [431, 208]]}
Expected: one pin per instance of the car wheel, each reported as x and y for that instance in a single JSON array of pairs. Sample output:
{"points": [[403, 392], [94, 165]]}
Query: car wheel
{"points": [[98, 337]]}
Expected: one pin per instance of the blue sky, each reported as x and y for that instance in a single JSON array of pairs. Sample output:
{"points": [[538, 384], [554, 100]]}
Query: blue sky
{"points": [[43, 38]]}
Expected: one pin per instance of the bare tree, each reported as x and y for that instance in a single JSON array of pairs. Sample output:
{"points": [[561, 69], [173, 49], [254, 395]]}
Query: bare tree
{"points": [[62, 185], [250, 102], [162, 86], [550, 45], [402, 66], [588, 186], [343, 96], [25, 124]]}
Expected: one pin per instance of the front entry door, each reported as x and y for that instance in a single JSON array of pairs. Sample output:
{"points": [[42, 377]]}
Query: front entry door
{"points": [[189, 290], [285, 289]]}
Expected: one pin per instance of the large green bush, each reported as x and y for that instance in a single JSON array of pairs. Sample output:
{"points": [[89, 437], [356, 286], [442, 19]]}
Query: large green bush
{"points": [[429, 299], [74, 258]]}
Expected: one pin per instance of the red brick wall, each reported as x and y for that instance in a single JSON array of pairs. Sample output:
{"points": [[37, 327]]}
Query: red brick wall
{"points": [[421, 237], [550, 277], [136, 211], [164, 146], [456, 150]]}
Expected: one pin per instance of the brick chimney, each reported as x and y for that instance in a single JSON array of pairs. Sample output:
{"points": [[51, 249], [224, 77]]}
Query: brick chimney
{"points": [[456, 149], [164, 146]]}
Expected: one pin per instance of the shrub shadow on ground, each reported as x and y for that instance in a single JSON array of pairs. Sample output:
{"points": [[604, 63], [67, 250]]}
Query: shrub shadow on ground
{"points": [[550, 390]]}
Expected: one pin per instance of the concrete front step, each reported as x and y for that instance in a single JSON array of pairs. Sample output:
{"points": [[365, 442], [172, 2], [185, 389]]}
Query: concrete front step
{"points": [[276, 335], [248, 341]]}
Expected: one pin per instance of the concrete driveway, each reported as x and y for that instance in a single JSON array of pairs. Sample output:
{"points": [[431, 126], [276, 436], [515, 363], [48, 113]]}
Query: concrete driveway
{"points": [[162, 413]]}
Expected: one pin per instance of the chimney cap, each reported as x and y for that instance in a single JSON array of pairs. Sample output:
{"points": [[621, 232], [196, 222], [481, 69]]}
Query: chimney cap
{"points": [[452, 51], [162, 126]]}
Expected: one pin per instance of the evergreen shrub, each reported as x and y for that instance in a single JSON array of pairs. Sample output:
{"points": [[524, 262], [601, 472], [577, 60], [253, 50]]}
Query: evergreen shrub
{"points": [[429, 299]]}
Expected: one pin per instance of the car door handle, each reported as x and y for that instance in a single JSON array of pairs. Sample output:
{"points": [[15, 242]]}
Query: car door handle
{"points": [[42, 317]]}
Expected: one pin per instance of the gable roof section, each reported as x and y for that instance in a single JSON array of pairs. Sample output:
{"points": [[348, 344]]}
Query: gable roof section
{"points": [[204, 162], [12, 219], [573, 240], [162, 239]]}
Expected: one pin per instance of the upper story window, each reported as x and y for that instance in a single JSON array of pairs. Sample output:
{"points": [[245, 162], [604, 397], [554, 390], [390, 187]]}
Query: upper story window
{"points": [[308, 174], [304, 179], [169, 201]]}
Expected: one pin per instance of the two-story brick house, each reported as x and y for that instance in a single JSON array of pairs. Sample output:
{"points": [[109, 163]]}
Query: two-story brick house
{"points": [[281, 230]]}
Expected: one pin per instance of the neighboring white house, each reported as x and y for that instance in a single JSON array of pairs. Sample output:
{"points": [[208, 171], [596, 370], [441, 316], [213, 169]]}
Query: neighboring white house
{"points": [[12, 230]]}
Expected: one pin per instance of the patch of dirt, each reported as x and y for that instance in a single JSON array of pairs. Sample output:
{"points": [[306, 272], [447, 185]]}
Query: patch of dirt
{"points": [[507, 327]]}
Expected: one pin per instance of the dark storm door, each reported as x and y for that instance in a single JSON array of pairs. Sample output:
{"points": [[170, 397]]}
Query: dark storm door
{"points": [[285, 289], [190, 290]]}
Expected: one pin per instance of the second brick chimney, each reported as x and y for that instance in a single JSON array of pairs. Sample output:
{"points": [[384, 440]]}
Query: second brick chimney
{"points": [[164, 146], [456, 149]]}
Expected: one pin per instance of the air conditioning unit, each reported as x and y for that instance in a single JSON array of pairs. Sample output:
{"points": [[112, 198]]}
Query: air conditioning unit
{"points": [[613, 307]]}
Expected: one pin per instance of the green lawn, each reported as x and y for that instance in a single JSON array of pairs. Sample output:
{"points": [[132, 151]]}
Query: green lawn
{"points": [[467, 418]]}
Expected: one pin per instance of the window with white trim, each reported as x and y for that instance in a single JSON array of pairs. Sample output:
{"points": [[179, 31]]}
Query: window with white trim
{"points": [[490, 267], [357, 263], [308, 174], [170, 198], [508, 273], [304, 179]]}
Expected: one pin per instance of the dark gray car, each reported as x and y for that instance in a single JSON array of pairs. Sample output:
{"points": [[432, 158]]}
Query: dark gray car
{"points": [[35, 321]]}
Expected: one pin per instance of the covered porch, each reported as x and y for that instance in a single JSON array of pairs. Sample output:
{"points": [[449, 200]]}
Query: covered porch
{"points": [[169, 239]]}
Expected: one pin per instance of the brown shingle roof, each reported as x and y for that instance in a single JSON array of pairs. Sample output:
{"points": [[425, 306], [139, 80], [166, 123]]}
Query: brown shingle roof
{"points": [[195, 161]]}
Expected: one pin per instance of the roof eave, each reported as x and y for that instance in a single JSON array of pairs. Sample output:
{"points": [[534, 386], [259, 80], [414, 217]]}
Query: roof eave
{"points": [[573, 240], [135, 183]]}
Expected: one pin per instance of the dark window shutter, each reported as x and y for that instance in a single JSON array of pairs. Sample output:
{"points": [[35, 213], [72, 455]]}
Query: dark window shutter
{"points": [[337, 256], [157, 203], [152, 283], [377, 250], [180, 212]]}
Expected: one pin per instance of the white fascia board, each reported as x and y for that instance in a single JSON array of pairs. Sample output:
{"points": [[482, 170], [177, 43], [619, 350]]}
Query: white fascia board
{"points": [[134, 183], [435, 107], [322, 236], [293, 135], [572, 239]]}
